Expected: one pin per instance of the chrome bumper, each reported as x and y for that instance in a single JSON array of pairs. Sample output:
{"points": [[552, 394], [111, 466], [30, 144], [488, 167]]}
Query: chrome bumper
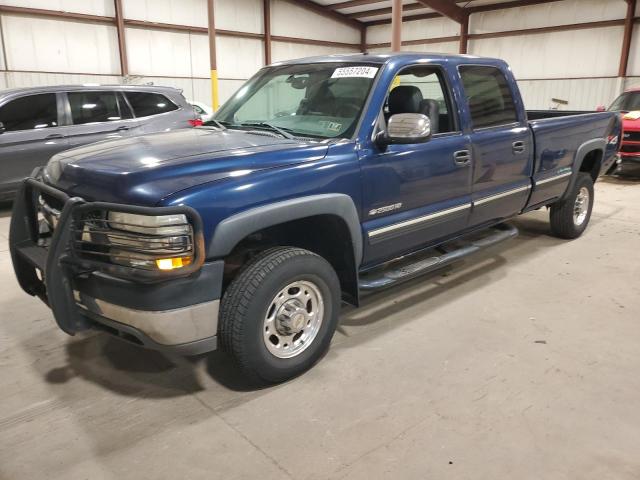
{"points": [[166, 328]]}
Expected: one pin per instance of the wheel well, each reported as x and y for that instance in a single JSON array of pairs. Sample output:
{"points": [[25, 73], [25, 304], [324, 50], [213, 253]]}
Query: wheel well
{"points": [[325, 235], [591, 163]]}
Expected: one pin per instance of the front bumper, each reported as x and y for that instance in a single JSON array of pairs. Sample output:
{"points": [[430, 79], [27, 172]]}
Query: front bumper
{"points": [[170, 313]]}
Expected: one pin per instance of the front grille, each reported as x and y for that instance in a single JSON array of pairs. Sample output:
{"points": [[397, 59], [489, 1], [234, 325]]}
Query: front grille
{"points": [[626, 148], [99, 239], [631, 136]]}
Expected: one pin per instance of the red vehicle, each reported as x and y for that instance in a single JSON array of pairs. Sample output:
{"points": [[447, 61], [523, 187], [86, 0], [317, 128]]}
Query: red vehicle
{"points": [[628, 104]]}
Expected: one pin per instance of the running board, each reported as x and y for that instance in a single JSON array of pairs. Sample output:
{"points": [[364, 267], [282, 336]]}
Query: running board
{"points": [[408, 271]]}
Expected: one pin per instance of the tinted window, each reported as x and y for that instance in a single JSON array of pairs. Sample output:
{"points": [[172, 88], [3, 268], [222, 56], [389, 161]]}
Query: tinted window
{"points": [[488, 95], [89, 107], [198, 110], [32, 111], [144, 103]]}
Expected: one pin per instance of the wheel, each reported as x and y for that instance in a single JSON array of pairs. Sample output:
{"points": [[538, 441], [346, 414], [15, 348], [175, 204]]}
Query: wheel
{"points": [[279, 314], [570, 217]]}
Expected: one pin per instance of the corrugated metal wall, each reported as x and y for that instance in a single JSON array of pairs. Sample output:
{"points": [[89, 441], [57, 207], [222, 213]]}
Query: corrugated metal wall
{"points": [[45, 51], [579, 66]]}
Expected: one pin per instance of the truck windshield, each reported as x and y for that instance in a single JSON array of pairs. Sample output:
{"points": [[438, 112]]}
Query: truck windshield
{"points": [[321, 100], [626, 102]]}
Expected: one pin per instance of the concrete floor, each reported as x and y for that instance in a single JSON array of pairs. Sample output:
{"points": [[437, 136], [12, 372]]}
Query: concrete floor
{"points": [[521, 363]]}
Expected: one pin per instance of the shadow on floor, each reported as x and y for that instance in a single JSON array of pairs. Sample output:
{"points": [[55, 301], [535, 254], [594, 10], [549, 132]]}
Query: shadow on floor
{"points": [[133, 371]]}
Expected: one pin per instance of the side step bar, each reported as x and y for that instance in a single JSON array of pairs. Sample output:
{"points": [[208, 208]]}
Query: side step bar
{"points": [[463, 249]]}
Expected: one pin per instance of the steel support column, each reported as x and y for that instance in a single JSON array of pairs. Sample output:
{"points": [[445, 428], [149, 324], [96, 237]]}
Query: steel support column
{"points": [[396, 25], [267, 31], [464, 34], [626, 39], [122, 44], [215, 102]]}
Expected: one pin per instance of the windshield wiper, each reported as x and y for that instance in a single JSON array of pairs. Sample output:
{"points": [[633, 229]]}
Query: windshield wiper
{"points": [[220, 124], [269, 126]]}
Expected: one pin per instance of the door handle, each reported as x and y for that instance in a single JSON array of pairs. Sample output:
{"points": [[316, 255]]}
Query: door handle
{"points": [[518, 147], [54, 136], [462, 158], [122, 129]]}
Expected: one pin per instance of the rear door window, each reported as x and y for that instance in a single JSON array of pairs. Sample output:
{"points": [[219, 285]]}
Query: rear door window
{"points": [[147, 103], [99, 106], [30, 112], [488, 95]]}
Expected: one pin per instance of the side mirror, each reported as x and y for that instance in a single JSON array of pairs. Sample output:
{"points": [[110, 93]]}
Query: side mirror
{"points": [[601, 108], [2, 129], [406, 128]]}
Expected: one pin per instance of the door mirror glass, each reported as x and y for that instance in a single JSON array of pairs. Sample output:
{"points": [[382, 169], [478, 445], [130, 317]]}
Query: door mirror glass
{"points": [[2, 127], [407, 128]]}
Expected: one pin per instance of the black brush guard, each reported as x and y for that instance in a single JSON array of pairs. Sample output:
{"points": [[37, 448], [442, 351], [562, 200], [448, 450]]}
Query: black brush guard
{"points": [[49, 272]]}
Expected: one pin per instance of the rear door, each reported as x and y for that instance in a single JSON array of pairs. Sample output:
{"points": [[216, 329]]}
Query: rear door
{"points": [[95, 115], [156, 112], [31, 135], [502, 153]]}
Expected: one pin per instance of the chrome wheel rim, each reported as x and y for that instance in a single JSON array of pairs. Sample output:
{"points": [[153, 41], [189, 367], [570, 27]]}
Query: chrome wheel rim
{"points": [[581, 206], [293, 319]]}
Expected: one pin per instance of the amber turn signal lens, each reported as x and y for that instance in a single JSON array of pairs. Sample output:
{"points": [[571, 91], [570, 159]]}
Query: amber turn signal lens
{"points": [[172, 263]]}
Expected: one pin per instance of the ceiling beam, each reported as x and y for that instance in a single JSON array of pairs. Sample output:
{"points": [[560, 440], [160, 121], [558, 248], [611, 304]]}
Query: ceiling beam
{"points": [[481, 8], [446, 8], [352, 3], [328, 13], [501, 6], [384, 11]]}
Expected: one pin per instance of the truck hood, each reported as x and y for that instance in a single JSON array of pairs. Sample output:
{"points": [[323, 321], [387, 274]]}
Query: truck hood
{"points": [[144, 170]]}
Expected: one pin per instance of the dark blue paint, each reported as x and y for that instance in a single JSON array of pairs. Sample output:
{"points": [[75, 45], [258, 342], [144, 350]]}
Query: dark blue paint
{"points": [[222, 173]]}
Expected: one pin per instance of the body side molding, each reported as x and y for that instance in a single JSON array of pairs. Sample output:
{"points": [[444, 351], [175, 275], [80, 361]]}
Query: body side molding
{"points": [[233, 229]]}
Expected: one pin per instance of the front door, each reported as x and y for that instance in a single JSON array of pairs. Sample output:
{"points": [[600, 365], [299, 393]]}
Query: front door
{"points": [[418, 194]]}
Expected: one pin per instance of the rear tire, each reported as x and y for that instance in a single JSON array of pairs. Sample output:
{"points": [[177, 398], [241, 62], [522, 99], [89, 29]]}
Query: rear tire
{"points": [[570, 217], [279, 314]]}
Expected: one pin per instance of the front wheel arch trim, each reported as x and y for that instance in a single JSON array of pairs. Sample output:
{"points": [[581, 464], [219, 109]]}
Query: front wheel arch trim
{"points": [[233, 229]]}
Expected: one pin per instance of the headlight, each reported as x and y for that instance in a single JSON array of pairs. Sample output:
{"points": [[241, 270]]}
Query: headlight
{"points": [[147, 224], [156, 242]]}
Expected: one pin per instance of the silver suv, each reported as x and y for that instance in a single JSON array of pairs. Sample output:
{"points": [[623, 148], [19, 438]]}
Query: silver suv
{"points": [[36, 123]]}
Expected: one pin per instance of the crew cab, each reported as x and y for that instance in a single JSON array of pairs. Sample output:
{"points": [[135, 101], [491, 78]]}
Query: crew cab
{"points": [[319, 180]]}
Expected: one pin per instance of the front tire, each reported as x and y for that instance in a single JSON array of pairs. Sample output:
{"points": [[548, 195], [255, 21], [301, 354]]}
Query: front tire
{"points": [[570, 217], [279, 314]]}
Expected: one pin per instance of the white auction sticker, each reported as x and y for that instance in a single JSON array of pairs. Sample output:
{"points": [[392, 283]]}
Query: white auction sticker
{"points": [[355, 72]]}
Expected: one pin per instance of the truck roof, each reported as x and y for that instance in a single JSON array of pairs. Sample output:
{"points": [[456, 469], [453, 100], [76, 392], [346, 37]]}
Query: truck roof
{"points": [[383, 58]]}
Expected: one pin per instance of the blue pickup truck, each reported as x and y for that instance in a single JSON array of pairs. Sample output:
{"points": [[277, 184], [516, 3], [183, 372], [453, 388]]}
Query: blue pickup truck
{"points": [[320, 179]]}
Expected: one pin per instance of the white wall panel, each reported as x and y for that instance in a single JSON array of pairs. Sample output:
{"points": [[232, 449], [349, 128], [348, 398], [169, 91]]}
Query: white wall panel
{"points": [[155, 52], [37, 79], [60, 46], [290, 20], [582, 94], [414, 30], [633, 68], [548, 14], [281, 51], [93, 7], [239, 15], [574, 53], [178, 12], [440, 47], [237, 57]]}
